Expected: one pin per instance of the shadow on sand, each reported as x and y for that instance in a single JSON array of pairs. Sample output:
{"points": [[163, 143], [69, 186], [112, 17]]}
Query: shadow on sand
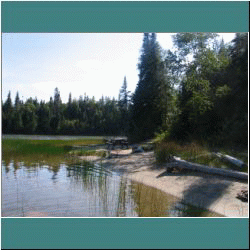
{"points": [[205, 191]]}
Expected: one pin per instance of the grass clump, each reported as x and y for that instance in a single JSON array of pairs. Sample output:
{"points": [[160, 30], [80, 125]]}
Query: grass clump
{"points": [[164, 151]]}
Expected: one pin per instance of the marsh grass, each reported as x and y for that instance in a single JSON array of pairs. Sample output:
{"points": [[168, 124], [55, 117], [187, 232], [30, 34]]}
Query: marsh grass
{"points": [[43, 151], [164, 151]]}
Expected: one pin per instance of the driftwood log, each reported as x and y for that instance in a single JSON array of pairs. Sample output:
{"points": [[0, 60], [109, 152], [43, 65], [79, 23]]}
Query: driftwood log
{"points": [[207, 169], [230, 159]]}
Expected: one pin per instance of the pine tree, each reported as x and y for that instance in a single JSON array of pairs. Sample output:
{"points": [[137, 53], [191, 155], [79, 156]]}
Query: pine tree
{"points": [[29, 117], [43, 114], [123, 102], [149, 98], [56, 118], [17, 119], [69, 108], [8, 115]]}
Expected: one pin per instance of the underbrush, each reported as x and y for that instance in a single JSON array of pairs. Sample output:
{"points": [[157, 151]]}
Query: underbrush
{"points": [[164, 151], [199, 152]]}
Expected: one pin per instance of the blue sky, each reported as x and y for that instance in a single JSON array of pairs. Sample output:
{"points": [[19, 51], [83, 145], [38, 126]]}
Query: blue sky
{"points": [[35, 64]]}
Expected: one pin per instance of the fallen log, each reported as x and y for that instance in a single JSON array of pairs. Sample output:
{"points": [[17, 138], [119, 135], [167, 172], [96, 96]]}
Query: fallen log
{"points": [[210, 170], [231, 159]]}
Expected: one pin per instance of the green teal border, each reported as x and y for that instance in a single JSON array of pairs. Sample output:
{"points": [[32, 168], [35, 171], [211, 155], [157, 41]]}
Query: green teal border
{"points": [[125, 16], [125, 233], [141, 233]]}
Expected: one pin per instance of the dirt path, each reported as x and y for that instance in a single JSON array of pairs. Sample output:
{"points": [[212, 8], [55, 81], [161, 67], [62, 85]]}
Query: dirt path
{"points": [[211, 192]]}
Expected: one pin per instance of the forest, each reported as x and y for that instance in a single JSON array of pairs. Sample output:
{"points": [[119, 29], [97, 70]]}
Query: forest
{"points": [[196, 91]]}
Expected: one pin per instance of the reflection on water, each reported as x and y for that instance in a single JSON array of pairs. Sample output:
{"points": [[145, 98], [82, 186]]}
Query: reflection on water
{"points": [[82, 190], [151, 202]]}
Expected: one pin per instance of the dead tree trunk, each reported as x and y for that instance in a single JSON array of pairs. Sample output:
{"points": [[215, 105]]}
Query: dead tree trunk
{"points": [[231, 159], [210, 170]]}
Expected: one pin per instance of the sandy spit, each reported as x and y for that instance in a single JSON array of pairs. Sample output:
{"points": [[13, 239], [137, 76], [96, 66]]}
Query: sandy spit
{"points": [[215, 193]]}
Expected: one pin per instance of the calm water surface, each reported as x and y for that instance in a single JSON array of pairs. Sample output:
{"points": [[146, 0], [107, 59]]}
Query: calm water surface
{"points": [[82, 190]]}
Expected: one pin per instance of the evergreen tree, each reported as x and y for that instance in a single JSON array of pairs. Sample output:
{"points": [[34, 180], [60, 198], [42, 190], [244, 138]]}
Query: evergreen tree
{"points": [[232, 104], [148, 109], [17, 116], [69, 108], [56, 117], [43, 114], [8, 115], [29, 117], [17, 100], [123, 102]]}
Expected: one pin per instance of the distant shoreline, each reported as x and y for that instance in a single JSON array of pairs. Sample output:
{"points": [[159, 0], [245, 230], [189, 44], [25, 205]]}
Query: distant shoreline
{"points": [[49, 137]]}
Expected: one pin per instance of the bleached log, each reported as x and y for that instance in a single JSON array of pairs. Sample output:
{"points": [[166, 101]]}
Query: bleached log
{"points": [[231, 159], [210, 170]]}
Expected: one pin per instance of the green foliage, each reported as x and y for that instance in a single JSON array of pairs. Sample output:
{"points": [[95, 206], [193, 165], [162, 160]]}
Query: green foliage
{"points": [[49, 152], [84, 116], [197, 91], [148, 111], [164, 152], [161, 137], [213, 98], [124, 105], [222, 91]]}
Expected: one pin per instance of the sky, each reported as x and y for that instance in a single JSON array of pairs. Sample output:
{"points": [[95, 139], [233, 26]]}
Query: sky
{"points": [[34, 64]]}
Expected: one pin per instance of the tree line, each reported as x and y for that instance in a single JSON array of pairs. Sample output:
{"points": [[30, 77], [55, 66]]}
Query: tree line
{"points": [[83, 116], [198, 90]]}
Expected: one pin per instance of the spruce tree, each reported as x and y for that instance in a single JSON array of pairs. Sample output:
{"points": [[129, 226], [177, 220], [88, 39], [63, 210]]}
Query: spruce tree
{"points": [[17, 119], [148, 109], [8, 115], [123, 103], [56, 118]]}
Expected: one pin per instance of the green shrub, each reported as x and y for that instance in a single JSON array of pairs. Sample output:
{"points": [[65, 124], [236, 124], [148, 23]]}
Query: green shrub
{"points": [[161, 137], [165, 151]]}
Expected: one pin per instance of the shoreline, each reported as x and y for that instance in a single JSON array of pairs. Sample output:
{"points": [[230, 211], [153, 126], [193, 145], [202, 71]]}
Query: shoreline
{"points": [[214, 193]]}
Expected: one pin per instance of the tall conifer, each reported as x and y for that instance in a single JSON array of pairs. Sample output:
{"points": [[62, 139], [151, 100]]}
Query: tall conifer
{"points": [[147, 109]]}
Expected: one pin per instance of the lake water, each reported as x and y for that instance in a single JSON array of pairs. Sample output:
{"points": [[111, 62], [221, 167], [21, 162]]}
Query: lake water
{"points": [[83, 190], [49, 137]]}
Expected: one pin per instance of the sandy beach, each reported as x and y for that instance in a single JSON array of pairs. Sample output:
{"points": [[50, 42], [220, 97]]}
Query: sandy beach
{"points": [[215, 193]]}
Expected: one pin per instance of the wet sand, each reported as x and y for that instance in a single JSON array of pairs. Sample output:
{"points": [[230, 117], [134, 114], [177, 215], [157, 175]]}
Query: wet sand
{"points": [[215, 193]]}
